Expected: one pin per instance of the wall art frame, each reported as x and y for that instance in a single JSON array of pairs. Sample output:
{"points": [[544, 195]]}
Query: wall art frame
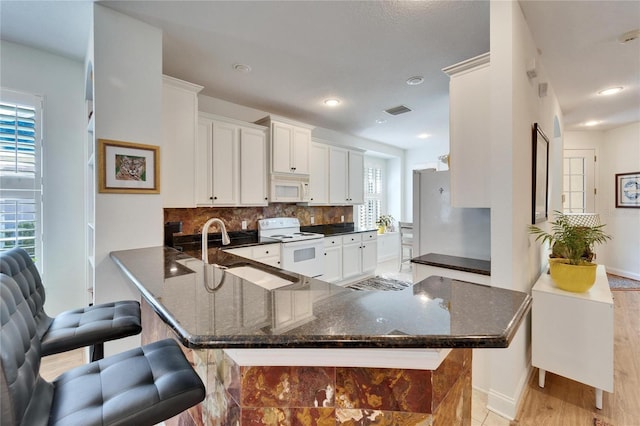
{"points": [[628, 190], [540, 175], [128, 168]]}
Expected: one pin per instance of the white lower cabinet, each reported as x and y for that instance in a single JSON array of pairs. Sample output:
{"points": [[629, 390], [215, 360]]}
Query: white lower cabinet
{"points": [[359, 255], [572, 333], [264, 253], [332, 260]]}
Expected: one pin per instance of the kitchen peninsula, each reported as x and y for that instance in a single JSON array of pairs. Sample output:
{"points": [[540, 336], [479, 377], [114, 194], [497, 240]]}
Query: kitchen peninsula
{"points": [[275, 347]]}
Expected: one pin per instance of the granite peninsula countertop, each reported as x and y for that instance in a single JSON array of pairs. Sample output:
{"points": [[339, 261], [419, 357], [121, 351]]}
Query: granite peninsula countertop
{"points": [[476, 266], [211, 306]]}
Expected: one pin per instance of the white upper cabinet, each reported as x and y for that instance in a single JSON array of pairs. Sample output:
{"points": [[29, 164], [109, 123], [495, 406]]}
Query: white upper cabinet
{"points": [[319, 174], [253, 167], [346, 180], [289, 145], [179, 127], [470, 147], [230, 163]]}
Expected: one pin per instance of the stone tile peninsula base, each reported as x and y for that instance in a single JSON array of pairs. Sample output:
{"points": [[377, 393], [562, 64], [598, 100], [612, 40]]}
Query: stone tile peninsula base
{"points": [[322, 395]]}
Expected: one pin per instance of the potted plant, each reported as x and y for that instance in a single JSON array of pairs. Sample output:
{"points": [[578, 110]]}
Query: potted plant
{"points": [[383, 222], [571, 251]]}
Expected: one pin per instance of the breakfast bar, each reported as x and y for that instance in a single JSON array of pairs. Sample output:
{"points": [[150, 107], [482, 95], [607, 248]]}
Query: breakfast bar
{"points": [[275, 347]]}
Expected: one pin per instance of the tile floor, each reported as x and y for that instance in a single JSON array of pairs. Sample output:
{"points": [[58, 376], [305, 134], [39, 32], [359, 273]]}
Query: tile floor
{"points": [[480, 415]]}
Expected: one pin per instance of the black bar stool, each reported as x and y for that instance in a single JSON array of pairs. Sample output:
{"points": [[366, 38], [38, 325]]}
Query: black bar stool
{"points": [[92, 325]]}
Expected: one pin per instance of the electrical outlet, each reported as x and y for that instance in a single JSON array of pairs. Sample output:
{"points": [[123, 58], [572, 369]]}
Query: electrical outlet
{"points": [[244, 225], [313, 220], [341, 218]]}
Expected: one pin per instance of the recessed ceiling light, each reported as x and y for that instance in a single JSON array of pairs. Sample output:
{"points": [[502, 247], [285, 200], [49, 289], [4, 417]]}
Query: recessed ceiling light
{"points": [[423, 135], [381, 121], [242, 68], [592, 123], [610, 91], [415, 80], [332, 102]]}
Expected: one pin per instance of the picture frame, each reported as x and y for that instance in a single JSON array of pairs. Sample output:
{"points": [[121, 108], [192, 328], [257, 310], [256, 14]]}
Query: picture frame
{"points": [[628, 190], [128, 168], [540, 175]]}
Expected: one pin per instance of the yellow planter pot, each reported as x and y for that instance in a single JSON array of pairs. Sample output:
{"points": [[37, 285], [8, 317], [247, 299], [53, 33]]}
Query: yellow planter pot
{"points": [[382, 229], [574, 278]]}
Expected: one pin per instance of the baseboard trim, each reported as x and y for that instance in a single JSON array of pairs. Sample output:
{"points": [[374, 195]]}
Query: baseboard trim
{"points": [[504, 405], [623, 273]]}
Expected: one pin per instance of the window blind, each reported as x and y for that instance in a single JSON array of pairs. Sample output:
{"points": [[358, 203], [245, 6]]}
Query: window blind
{"points": [[20, 172]]}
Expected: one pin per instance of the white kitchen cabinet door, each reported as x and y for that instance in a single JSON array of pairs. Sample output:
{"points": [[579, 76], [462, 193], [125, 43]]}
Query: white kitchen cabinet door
{"points": [[253, 167], [300, 150], [351, 256], [338, 176], [319, 174], [470, 144], [281, 147], [369, 249], [203, 158], [356, 177], [332, 264], [225, 164], [179, 127]]}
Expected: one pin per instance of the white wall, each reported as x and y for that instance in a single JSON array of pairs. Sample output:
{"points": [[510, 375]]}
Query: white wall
{"points": [[60, 82], [618, 151], [127, 105], [515, 259]]}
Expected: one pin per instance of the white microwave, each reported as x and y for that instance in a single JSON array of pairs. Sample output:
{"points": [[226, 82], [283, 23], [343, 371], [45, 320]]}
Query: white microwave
{"points": [[289, 189]]}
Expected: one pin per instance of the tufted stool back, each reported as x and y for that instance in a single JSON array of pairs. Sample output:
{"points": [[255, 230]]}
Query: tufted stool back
{"points": [[17, 264], [20, 383]]}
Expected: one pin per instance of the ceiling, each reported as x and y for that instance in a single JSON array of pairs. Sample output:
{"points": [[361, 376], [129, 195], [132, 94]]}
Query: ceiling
{"points": [[361, 52]]}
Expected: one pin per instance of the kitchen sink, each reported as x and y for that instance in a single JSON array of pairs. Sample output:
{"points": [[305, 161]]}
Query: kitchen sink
{"points": [[259, 277]]}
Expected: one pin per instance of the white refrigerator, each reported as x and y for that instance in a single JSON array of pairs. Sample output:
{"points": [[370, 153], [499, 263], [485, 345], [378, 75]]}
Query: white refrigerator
{"points": [[442, 229]]}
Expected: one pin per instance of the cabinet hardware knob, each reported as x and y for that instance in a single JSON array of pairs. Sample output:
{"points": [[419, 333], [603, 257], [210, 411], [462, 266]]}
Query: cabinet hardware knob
{"points": [[267, 252], [215, 198], [265, 198], [325, 254], [211, 198]]}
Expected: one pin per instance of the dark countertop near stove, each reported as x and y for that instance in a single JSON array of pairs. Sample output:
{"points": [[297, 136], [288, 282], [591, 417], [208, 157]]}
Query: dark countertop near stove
{"points": [[210, 306]]}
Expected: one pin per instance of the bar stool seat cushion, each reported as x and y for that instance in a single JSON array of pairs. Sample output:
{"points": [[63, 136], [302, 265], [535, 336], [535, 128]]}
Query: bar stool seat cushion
{"points": [[93, 324]]}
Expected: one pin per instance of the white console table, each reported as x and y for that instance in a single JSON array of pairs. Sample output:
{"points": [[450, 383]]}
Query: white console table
{"points": [[572, 333]]}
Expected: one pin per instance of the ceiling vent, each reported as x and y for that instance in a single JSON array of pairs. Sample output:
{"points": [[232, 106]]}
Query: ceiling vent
{"points": [[400, 109]]}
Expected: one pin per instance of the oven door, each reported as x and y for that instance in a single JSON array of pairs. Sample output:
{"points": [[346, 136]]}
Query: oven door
{"points": [[303, 257]]}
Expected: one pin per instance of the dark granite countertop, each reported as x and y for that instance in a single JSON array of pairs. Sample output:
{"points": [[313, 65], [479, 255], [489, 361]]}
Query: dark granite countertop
{"points": [[209, 306], [476, 266]]}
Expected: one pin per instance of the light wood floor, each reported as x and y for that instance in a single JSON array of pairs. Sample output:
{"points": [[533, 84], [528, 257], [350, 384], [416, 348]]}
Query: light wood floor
{"points": [[562, 402]]}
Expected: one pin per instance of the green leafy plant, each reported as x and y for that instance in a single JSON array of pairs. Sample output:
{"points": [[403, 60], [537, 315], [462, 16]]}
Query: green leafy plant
{"points": [[385, 220], [568, 241]]}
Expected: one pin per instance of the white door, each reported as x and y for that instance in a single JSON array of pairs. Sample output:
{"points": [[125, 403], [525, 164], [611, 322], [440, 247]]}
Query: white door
{"points": [[356, 177], [300, 153], [253, 173], [338, 163], [225, 164], [579, 184], [319, 174], [281, 142]]}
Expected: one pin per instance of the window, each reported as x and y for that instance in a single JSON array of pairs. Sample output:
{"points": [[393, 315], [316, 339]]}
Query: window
{"points": [[20, 173], [578, 195], [374, 194]]}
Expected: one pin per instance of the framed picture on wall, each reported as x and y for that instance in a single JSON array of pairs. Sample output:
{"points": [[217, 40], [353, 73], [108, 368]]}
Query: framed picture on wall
{"points": [[540, 176], [128, 168], [628, 190]]}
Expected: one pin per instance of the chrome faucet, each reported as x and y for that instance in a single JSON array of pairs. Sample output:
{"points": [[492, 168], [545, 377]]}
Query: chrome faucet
{"points": [[205, 232]]}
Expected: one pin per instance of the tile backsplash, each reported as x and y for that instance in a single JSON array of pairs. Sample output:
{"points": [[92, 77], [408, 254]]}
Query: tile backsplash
{"points": [[193, 219]]}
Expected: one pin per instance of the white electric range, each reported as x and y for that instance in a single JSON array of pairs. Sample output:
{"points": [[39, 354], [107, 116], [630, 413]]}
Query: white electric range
{"points": [[301, 252]]}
